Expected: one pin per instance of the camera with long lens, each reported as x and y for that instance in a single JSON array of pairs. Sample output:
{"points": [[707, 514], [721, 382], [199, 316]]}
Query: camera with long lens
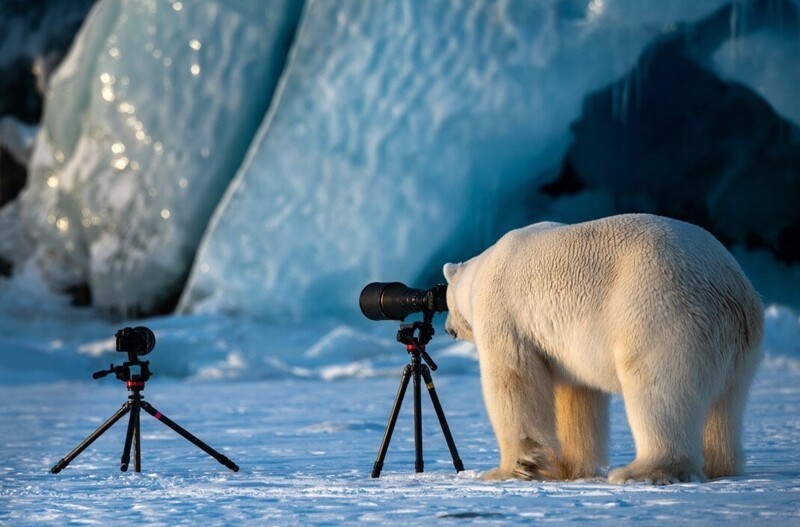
{"points": [[395, 301], [139, 340]]}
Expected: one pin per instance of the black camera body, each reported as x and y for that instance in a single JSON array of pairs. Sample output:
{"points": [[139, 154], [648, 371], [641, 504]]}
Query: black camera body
{"points": [[395, 301], [139, 340]]}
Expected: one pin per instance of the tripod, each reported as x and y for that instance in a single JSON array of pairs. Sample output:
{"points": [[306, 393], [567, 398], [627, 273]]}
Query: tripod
{"points": [[416, 369], [135, 403]]}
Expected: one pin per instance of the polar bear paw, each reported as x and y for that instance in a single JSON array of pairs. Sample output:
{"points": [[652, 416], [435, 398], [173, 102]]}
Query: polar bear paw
{"points": [[534, 466], [655, 474], [496, 474], [520, 472]]}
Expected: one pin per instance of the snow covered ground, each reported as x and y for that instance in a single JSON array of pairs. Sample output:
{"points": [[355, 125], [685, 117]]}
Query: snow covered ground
{"points": [[302, 412], [306, 448]]}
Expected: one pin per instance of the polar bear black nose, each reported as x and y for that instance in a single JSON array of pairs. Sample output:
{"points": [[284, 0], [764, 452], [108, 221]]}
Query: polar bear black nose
{"points": [[450, 331]]}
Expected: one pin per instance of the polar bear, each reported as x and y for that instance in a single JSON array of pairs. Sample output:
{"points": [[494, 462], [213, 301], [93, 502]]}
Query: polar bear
{"points": [[648, 307]]}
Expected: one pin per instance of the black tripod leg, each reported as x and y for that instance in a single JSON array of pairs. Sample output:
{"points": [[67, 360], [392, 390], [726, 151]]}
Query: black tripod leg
{"points": [[137, 440], [426, 374], [126, 449], [89, 440], [387, 435], [419, 465], [189, 437]]}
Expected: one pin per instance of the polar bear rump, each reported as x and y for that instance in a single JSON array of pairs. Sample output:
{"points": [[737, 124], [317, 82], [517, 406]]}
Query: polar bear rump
{"points": [[651, 308]]}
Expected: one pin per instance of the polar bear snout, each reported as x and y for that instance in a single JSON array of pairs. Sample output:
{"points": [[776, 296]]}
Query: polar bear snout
{"points": [[457, 327], [450, 330]]}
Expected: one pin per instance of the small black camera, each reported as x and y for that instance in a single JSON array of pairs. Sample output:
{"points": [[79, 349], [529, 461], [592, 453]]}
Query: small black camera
{"points": [[395, 301], [139, 340]]}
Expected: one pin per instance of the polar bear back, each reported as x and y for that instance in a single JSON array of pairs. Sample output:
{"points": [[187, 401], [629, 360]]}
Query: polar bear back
{"points": [[593, 296]]}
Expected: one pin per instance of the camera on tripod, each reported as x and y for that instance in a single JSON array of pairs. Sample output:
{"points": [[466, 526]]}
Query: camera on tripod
{"points": [[395, 301], [135, 373]]}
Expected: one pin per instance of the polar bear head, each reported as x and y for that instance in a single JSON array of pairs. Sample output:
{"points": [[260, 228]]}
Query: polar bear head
{"points": [[457, 324]]}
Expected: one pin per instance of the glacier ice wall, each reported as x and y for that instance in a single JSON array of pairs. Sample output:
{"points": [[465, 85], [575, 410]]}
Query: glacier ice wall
{"points": [[402, 134], [768, 62], [145, 122], [694, 144], [399, 138], [34, 36]]}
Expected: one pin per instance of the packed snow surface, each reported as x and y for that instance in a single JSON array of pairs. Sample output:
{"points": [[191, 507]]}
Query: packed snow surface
{"points": [[306, 448], [302, 410]]}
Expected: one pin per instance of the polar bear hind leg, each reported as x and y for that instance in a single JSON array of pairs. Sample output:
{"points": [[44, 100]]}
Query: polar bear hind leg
{"points": [[722, 444], [667, 445], [582, 428], [666, 400]]}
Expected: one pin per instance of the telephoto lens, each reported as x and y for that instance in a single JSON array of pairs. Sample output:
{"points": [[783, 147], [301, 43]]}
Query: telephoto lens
{"points": [[395, 301]]}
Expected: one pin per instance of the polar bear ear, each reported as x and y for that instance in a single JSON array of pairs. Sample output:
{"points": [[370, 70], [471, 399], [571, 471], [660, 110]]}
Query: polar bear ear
{"points": [[450, 270]]}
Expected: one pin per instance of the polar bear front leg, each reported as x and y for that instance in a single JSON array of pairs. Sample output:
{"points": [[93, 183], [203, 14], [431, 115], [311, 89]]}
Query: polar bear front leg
{"points": [[519, 401]]}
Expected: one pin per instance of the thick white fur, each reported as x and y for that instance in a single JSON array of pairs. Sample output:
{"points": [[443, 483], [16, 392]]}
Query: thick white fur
{"points": [[645, 306]]}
